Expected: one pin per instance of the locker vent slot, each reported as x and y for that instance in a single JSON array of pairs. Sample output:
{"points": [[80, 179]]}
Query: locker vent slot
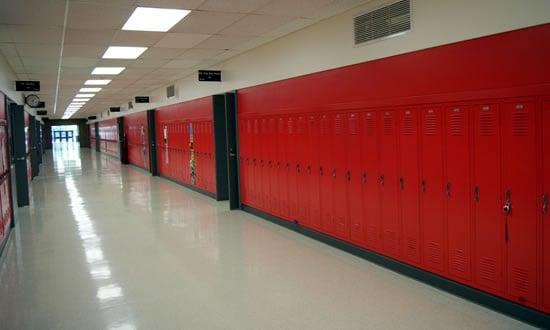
{"points": [[430, 123], [370, 124], [383, 22], [300, 125], [311, 125], [388, 124], [434, 253], [520, 123], [412, 247], [408, 125], [338, 124], [488, 269], [372, 235], [390, 241], [487, 124], [352, 122], [459, 261], [521, 280], [290, 126], [456, 124], [324, 125]]}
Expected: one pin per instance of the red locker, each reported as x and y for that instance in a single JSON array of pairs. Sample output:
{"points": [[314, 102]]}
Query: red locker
{"points": [[458, 192], [371, 168], [488, 258], [312, 171], [339, 176], [303, 190], [273, 143], [255, 178], [409, 181], [353, 177], [325, 178], [431, 185], [283, 167], [291, 168], [243, 160], [519, 189], [389, 183], [262, 163], [543, 206]]}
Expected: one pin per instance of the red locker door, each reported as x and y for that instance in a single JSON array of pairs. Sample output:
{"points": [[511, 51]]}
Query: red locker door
{"points": [[353, 176], [313, 170], [409, 181], [389, 183], [282, 167], [264, 183], [255, 182], [370, 170], [457, 187], [271, 166], [339, 176], [544, 205], [244, 138], [488, 250], [291, 168], [303, 190], [519, 174], [325, 178], [432, 211]]}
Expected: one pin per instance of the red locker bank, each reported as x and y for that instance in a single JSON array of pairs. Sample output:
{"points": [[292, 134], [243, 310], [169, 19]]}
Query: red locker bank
{"points": [[91, 134], [108, 137], [185, 143], [5, 192], [437, 158], [137, 139]]}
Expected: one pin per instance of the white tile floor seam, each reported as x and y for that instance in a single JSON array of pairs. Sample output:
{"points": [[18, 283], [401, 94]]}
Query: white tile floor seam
{"points": [[105, 246]]}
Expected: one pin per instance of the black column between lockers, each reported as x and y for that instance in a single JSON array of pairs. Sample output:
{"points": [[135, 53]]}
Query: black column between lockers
{"points": [[33, 135], [152, 139], [220, 147], [20, 154], [232, 150], [122, 143], [39, 142], [96, 136]]}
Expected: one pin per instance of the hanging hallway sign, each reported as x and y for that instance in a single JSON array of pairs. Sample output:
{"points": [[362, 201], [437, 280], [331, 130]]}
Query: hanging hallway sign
{"points": [[210, 75]]}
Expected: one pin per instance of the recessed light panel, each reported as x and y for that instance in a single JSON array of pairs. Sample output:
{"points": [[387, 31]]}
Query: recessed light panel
{"points": [[124, 52], [84, 95], [90, 89], [108, 70], [85, 99], [99, 82], [154, 19]]}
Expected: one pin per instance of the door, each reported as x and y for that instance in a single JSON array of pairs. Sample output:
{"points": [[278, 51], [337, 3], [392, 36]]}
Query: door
{"points": [[339, 176], [457, 190], [389, 183], [519, 189], [488, 256], [370, 171], [544, 205], [433, 217], [409, 179], [325, 178], [353, 176]]}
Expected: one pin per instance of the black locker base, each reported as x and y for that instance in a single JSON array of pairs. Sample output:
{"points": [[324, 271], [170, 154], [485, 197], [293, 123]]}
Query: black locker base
{"points": [[196, 189], [4, 244], [488, 300]]}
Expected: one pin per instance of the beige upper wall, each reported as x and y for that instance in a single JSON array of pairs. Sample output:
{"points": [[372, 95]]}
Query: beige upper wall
{"points": [[329, 44]]}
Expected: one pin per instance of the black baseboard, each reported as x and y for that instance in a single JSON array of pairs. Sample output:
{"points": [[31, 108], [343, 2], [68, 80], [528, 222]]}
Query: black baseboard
{"points": [[488, 300], [196, 189]]}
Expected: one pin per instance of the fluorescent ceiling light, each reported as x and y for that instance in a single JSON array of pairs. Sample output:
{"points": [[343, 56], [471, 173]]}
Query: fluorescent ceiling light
{"points": [[154, 19], [86, 99], [90, 89], [108, 70], [124, 52], [97, 82], [84, 95]]}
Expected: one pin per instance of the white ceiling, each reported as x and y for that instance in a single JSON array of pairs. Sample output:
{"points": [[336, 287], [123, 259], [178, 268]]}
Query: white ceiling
{"points": [[31, 34]]}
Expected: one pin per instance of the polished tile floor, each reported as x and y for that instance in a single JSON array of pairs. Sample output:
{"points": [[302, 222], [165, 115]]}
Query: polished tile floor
{"points": [[105, 246]]}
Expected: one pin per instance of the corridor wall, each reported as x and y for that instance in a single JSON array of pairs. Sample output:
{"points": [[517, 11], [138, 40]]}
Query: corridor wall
{"points": [[433, 158], [108, 137], [185, 143], [91, 134], [137, 139], [5, 177]]}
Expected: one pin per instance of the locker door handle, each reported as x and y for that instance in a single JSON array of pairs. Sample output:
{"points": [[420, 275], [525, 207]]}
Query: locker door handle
{"points": [[476, 194], [334, 173], [278, 164], [507, 207], [298, 168], [381, 180], [270, 164], [348, 175], [262, 163], [287, 166], [254, 162], [544, 204], [423, 185], [364, 177], [401, 183], [309, 169], [321, 171], [448, 188]]}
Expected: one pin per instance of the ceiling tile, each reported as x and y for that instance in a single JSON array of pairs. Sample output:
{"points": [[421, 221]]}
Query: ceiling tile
{"points": [[36, 34], [83, 51], [79, 62], [233, 6], [199, 54], [5, 35], [293, 8], [40, 61], [38, 50], [136, 38], [148, 63], [98, 16], [175, 4], [42, 12], [181, 40], [206, 22], [224, 42], [87, 37], [181, 64], [161, 53], [9, 50], [255, 25], [294, 25]]}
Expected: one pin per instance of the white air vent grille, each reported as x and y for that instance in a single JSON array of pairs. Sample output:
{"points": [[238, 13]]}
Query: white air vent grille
{"points": [[383, 22]]}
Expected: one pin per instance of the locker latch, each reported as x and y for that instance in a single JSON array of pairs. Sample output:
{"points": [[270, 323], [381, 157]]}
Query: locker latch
{"points": [[364, 177], [348, 175], [507, 207], [423, 185], [401, 183], [262, 163], [476, 194], [381, 180], [270, 164], [321, 170], [309, 169], [298, 168], [544, 204], [448, 189], [278, 164], [334, 173], [287, 166]]}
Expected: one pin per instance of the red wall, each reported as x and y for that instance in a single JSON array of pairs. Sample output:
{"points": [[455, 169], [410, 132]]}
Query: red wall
{"points": [[108, 137], [176, 122], [137, 138], [413, 156], [5, 195]]}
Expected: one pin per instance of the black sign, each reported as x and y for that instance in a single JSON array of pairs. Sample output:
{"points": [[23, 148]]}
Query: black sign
{"points": [[115, 109], [41, 112], [27, 86], [92, 117], [210, 75], [142, 99]]}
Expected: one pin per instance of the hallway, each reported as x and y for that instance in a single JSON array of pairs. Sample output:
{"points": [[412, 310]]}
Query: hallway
{"points": [[105, 246]]}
